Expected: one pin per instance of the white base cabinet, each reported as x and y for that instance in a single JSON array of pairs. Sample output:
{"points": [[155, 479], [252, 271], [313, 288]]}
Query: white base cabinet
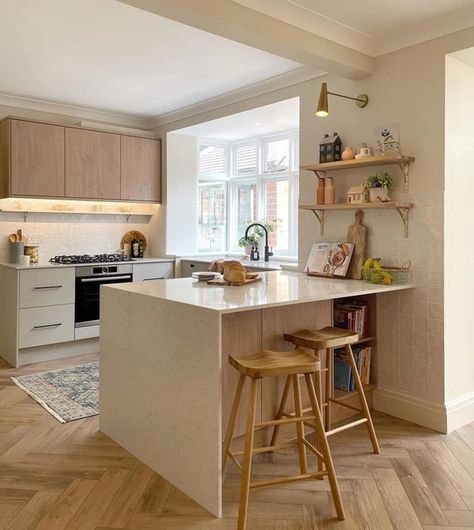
{"points": [[37, 311]]}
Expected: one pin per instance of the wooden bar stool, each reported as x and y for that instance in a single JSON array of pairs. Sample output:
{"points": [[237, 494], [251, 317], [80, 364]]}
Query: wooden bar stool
{"points": [[327, 339], [272, 364]]}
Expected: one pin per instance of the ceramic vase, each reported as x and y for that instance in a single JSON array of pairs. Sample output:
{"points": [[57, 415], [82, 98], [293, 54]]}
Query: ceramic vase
{"points": [[378, 194], [348, 153]]}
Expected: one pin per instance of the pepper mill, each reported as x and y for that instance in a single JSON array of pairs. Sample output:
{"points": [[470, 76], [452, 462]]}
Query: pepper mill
{"points": [[329, 197], [320, 191]]}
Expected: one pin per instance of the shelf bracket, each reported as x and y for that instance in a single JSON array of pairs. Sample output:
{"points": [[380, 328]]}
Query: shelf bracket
{"points": [[404, 213], [320, 215], [128, 217], [320, 174], [405, 167], [25, 217]]}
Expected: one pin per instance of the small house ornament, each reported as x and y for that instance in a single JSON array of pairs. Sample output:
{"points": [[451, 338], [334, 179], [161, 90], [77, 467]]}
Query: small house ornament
{"points": [[330, 148], [358, 195]]}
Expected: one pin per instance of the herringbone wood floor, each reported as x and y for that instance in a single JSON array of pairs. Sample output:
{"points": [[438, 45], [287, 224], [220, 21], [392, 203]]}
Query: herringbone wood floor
{"points": [[55, 476]]}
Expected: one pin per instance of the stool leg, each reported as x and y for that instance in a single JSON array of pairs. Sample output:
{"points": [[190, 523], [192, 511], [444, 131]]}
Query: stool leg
{"points": [[329, 388], [281, 410], [323, 444], [319, 396], [231, 425], [299, 425], [363, 400], [248, 451]]}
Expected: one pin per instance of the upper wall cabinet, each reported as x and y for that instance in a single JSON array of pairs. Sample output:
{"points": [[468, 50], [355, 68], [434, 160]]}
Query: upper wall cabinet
{"points": [[36, 161], [92, 164], [48, 160], [140, 169]]}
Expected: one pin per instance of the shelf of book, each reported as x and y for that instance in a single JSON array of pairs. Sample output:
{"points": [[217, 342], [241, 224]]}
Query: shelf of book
{"points": [[363, 340]]}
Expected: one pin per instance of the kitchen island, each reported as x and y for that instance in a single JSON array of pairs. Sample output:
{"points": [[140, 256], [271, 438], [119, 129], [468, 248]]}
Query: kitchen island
{"points": [[166, 388]]}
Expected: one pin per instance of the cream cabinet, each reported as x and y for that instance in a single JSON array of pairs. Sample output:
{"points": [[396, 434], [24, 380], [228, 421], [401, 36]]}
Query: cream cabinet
{"points": [[46, 287], [39, 326], [153, 271]]}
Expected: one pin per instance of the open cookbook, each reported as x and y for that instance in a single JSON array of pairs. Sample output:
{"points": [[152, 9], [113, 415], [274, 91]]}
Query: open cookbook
{"points": [[329, 259]]}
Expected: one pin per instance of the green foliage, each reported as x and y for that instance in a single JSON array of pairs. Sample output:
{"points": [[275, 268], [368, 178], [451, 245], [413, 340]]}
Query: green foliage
{"points": [[256, 232], [381, 179]]}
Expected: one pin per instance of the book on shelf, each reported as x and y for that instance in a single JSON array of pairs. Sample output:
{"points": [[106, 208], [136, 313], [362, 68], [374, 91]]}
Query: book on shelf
{"points": [[352, 315], [343, 376], [329, 259]]}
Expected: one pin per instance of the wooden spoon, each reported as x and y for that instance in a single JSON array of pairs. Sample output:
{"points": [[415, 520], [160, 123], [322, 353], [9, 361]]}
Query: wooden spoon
{"points": [[12, 238], [18, 233]]}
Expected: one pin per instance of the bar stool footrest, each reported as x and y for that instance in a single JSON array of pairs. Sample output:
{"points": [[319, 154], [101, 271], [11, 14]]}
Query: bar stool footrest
{"points": [[346, 426], [269, 448], [283, 480], [338, 402]]}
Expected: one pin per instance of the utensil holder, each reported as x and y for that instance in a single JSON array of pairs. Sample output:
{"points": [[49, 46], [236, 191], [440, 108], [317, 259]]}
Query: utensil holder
{"points": [[16, 250]]}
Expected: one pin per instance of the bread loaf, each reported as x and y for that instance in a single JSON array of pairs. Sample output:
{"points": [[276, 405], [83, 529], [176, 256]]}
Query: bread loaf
{"points": [[234, 271]]}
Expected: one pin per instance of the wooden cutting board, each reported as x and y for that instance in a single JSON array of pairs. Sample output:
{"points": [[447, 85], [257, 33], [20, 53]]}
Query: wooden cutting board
{"points": [[234, 284], [130, 236], [357, 234]]}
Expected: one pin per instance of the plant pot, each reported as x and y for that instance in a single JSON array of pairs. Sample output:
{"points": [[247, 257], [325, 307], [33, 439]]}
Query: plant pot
{"points": [[378, 194]]}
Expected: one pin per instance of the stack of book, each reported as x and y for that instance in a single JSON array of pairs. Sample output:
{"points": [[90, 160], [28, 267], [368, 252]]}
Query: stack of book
{"points": [[352, 315], [343, 377]]}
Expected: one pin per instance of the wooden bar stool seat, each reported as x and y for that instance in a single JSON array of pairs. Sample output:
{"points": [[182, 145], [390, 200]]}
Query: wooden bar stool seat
{"points": [[291, 364], [327, 339]]}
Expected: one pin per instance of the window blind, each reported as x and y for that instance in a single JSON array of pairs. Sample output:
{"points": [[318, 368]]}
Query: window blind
{"points": [[212, 159], [246, 159]]}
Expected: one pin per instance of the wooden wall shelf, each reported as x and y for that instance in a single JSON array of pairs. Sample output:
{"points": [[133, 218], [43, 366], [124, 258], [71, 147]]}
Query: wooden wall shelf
{"points": [[402, 161], [319, 210]]}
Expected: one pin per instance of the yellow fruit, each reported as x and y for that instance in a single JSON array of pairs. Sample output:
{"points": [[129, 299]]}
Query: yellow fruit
{"points": [[376, 265], [368, 263]]}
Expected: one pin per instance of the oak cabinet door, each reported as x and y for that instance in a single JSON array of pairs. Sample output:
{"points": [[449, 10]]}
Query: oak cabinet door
{"points": [[37, 159], [140, 169], [92, 164]]}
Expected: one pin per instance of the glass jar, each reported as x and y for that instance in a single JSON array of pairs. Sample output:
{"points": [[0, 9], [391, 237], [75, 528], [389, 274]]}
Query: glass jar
{"points": [[33, 252]]}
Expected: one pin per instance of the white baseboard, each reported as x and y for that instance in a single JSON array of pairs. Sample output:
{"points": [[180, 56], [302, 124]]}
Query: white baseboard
{"points": [[460, 412], [411, 409]]}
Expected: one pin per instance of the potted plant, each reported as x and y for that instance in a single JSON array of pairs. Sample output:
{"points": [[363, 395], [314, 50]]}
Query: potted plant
{"points": [[256, 234], [378, 185]]}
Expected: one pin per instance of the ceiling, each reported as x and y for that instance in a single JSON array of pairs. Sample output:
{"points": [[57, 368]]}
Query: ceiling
{"points": [[270, 119], [371, 26], [109, 56]]}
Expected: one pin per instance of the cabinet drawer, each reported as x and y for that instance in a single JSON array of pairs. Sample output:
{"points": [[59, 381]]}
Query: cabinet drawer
{"points": [[188, 267], [44, 287], [46, 325], [152, 271]]}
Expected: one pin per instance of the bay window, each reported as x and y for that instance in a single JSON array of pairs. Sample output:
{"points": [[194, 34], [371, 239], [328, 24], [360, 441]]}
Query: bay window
{"points": [[244, 182]]}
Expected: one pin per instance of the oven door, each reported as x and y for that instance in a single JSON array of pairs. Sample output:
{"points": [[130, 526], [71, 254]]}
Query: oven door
{"points": [[87, 307]]}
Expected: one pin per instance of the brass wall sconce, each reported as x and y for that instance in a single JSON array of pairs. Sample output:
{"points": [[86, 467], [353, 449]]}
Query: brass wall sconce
{"points": [[323, 109]]}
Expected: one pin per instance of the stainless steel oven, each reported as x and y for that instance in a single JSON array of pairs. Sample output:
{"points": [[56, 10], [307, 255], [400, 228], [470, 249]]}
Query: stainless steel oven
{"points": [[88, 282]]}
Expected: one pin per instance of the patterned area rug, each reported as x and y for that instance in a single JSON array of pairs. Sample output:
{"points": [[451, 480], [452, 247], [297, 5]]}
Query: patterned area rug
{"points": [[68, 394]]}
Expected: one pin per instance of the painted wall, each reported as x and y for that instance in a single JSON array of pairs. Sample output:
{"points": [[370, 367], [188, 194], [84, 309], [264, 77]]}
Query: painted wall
{"points": [[459, 251], [181, 194], [408, 87]]}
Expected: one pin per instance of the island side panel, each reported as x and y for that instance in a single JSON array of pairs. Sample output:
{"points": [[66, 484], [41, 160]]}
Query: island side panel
{"points": [[160, 389]]}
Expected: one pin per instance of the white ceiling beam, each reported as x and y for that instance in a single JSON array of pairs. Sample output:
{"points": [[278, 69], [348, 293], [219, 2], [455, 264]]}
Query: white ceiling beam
{"points": [[247, 26]]}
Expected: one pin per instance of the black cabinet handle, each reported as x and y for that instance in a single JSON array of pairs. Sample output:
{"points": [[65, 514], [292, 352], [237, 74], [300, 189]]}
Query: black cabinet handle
{"points": [[149, 279], [48, 287]]}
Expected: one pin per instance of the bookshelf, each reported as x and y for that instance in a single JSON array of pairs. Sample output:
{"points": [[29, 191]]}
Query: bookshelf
{"points": [[341, 413]]}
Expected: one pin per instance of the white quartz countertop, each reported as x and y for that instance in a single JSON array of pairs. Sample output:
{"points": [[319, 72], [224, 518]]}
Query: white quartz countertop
{"points": [[277, 288], [47, 265]]}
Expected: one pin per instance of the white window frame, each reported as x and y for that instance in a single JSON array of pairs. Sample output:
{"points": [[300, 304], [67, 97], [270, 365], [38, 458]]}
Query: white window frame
{"points": [[231, 180]]}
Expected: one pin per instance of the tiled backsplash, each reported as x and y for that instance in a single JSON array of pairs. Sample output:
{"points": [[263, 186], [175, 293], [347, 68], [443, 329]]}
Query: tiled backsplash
{"points": [[69, 233]]}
